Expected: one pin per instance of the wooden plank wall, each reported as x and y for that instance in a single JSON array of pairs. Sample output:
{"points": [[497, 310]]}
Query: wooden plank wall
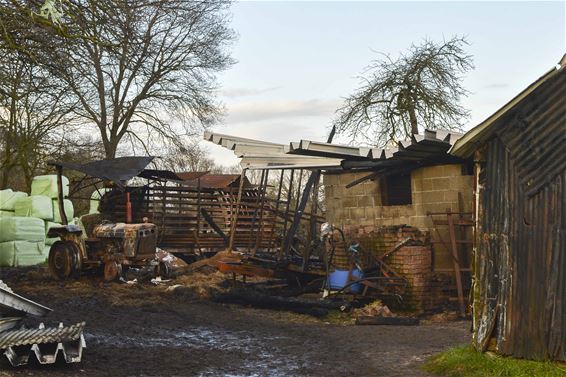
{"points": [[520, 254]]}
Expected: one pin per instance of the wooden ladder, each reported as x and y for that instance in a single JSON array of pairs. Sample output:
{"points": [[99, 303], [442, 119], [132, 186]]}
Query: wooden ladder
{"points": [[456, 223]]}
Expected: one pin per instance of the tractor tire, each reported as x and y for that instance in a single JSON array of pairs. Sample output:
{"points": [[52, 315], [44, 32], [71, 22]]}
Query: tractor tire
{"points": [[64, 260]]}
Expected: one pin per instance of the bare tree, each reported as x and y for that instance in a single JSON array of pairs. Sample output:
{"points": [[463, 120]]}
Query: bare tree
{"points": [[421, 89], [145, 69], [188, 157], [34, 107]]}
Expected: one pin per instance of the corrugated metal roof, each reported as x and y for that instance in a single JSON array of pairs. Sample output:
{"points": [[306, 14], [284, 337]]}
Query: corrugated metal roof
{"points": [[47, 344], [308, 154], [477, 135], [257, 154], [432, 144], [40, 335]]}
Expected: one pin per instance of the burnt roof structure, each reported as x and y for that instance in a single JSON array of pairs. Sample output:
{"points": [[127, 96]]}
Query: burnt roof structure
{"points": [[213, 181], [429, 148]]}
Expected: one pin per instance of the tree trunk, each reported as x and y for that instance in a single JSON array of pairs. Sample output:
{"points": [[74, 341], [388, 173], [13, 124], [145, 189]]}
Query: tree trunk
{"points": [[110, 148], [413, 119], [5, 174]]}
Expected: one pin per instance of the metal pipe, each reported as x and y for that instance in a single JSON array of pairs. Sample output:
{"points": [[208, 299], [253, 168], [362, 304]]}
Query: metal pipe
{"points": [[60, 197]]}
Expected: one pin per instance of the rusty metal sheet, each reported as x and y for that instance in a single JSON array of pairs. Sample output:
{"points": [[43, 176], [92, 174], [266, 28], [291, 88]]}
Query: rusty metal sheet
{"points": [[191, 175]]}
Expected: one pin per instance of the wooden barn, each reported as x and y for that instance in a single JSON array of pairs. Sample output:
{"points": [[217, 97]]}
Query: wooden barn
{"points": [[520, 222]]}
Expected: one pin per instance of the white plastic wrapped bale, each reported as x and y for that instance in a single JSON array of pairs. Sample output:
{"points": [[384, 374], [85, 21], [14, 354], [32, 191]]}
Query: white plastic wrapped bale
{"points": [[69, 210], [47, 185], [21, 253], [22, 229], [6, 213], [50, 241], [95, 199], [34, 206], [8, 199]]}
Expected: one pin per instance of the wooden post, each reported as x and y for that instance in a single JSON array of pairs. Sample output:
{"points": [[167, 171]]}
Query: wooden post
{"points": [[462, 232], [60, 196], [454, 248], [274, 225], [259, 237], [314, 177], [255, 213], [235, 217], [198, 211], [288, 204], [312, 234]]}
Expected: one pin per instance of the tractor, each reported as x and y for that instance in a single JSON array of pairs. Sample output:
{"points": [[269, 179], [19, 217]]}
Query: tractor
{"points": [[107, 247]]}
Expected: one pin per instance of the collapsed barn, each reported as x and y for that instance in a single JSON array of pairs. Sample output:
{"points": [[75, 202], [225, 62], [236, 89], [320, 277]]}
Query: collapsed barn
{"points": [[520, 238], [380, 197], [196, 213]]}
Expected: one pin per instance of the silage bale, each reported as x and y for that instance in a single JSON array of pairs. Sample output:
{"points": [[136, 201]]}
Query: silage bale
{"points": [[47, 185], [34, 206], [7, 254], [8, 199], [95, 199], [22, 229], [29, 253], [50, 241], [6, 213], [69, 210], [21, 253]]}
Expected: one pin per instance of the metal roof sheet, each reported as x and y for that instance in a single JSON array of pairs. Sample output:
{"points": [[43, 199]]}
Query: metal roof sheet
{"points": [[257, 154], [191, 175], [431, 144]]}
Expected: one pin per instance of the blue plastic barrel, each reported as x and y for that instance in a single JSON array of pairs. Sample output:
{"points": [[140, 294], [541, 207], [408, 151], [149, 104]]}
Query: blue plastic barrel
{"points": [[339, 278]]}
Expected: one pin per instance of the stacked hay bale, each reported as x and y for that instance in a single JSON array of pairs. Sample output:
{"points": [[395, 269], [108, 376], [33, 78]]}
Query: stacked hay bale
{"points": [[23, 239]]}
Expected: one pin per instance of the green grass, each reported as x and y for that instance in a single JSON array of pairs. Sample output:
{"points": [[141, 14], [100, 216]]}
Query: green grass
{"points": [[466, 362]]}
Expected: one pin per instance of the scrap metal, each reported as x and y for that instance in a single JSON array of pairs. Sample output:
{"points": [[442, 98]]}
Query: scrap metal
{"points": [[45, 343]]}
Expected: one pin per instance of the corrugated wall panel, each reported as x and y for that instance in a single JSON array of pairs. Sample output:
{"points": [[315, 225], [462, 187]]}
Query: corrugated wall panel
{"points": [[521, 259]]}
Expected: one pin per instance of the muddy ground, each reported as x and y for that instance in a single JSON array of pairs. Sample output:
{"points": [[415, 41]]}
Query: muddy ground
{"points": [[144, 330]]}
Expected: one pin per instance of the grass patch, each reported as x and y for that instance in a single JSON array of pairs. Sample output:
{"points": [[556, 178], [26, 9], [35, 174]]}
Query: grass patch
{"points": [[466, 362]]}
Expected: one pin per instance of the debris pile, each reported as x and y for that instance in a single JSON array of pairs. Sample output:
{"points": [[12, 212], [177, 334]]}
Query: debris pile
{"points": [[18, 343], [374, 309]]}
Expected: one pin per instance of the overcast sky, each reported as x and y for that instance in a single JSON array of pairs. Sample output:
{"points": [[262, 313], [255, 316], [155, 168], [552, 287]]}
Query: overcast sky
{"points": [[298, 60]]}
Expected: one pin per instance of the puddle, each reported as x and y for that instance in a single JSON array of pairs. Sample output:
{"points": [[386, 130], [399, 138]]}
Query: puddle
{"points": [[265, 358]]}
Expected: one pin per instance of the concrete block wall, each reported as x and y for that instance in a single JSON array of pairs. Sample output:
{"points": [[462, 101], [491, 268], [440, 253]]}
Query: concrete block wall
{"points": [[434, 189]]}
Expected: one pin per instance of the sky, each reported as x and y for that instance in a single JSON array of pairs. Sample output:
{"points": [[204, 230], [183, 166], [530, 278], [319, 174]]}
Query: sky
{"points": [[297, 61]]}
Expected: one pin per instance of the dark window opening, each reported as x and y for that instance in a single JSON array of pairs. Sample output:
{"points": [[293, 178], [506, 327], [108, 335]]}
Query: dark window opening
{"points": [[396, 190]]}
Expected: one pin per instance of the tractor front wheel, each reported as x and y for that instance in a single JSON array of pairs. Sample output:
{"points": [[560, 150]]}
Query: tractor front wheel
{"points": [[64, 260]]}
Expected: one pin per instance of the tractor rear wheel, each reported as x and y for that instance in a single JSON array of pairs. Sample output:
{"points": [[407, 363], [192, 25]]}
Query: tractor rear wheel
{"points": [[64, 260]]}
